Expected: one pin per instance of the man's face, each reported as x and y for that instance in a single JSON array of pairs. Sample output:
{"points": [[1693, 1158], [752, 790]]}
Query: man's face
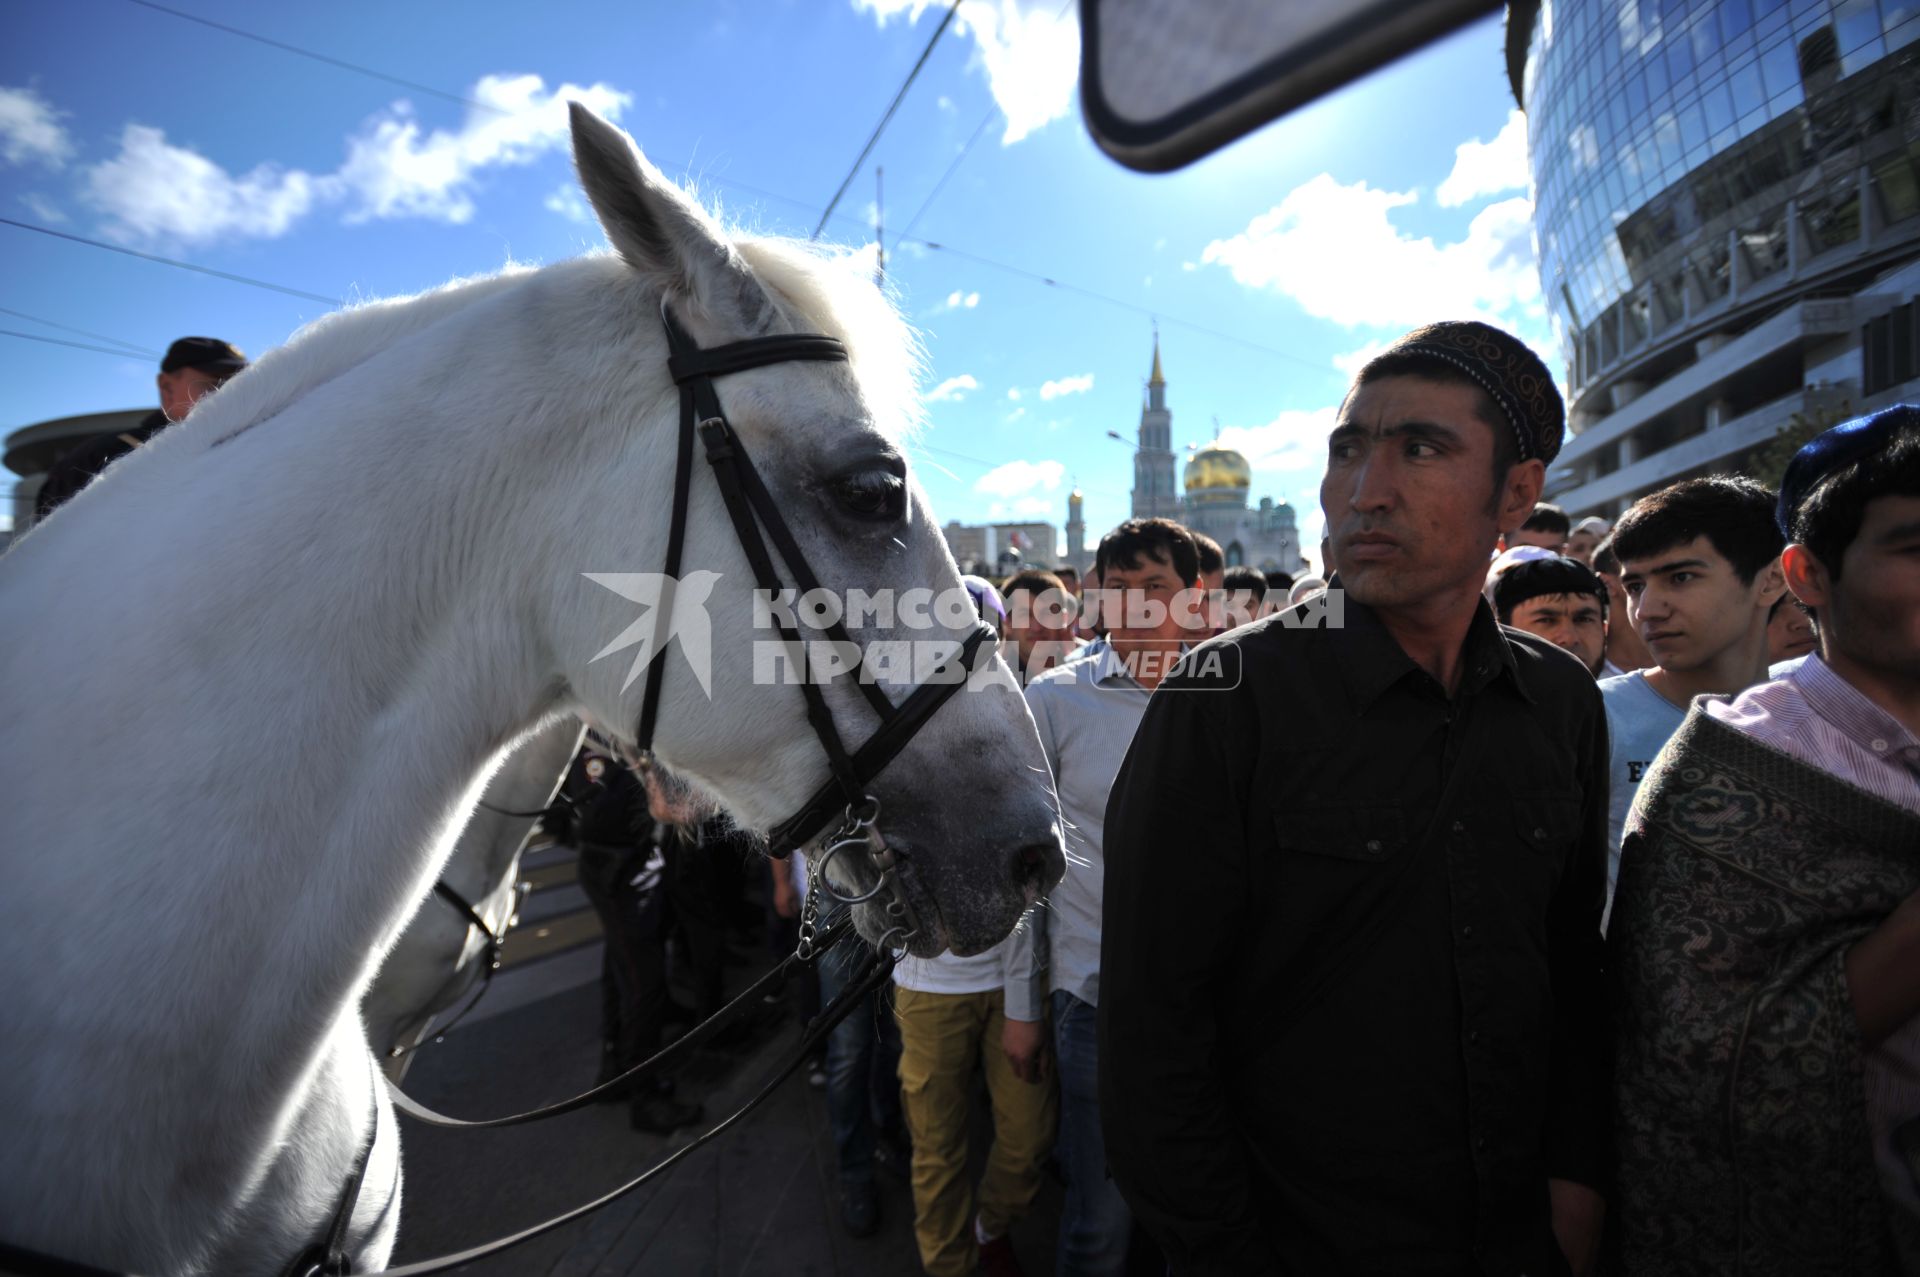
{"points": [[1542, 537], [1037, 618], [182, 389], [1689, 604], [1789, 633], [1580, 547], [1148, 607], [1871, 616], [1571, 621], [1412, 511]]}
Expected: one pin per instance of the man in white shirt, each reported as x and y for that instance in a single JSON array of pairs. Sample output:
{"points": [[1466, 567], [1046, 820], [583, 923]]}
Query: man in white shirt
{"points": [[951, 1012], [1150, 588]]}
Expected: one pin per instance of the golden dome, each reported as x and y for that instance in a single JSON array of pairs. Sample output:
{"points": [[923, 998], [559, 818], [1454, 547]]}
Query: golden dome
{"points": [[1214, 469]]}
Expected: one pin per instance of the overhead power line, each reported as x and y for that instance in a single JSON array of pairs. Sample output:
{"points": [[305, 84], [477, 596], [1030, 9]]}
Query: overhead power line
{"points": [[173, 261], [81, 332], [342, 63], [879, 128], [952, 168], [830, 213], [60, 341], [1135, 307]]}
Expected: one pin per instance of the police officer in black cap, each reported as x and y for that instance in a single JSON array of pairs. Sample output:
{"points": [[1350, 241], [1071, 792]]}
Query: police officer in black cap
{"points": [[193, 368]]}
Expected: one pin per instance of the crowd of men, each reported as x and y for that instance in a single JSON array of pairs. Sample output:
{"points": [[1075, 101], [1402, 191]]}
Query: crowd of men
{"points": [[1523, 896], [1551, 904]]}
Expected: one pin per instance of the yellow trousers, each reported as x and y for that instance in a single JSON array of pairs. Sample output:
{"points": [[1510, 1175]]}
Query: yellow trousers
{"points": [[942, 1035]]}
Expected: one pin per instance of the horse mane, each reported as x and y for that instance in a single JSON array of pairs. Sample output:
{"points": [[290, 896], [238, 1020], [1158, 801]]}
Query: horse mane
{"points": [[834, 292], [334, 344], [829, 288]]}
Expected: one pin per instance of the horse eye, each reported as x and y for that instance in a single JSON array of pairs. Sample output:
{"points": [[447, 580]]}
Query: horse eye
{"points": [[872, 494]]}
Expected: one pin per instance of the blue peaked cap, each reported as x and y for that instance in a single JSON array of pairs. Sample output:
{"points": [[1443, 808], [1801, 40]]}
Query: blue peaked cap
{"points": [[1841, 446]]}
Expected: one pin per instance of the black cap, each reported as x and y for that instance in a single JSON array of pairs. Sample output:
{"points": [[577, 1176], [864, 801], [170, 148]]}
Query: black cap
{"points": [[208, 354], [1841, 446], [1503, 366]]}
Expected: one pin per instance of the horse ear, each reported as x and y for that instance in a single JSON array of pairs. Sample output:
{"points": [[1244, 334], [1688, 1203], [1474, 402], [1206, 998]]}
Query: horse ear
{"points": [[660, 230]]}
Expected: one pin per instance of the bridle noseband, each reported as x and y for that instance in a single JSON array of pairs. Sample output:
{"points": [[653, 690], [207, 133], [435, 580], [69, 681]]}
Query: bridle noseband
{"points": [[750, 508]]}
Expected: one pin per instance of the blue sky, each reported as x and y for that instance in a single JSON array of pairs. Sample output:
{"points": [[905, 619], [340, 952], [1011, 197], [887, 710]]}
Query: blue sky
{"points": [[1399, 200]]}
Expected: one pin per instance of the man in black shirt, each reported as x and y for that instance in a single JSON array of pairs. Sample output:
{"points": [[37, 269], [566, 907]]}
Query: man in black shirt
{"points": [[193, 368], [1351, 1010]]}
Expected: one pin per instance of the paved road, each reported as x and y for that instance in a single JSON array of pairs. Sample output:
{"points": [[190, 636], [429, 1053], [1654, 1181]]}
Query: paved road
{"points": [[760, 1199]]}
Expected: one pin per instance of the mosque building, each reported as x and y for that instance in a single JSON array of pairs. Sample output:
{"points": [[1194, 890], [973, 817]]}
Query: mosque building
{"points": [[1216, 486]]}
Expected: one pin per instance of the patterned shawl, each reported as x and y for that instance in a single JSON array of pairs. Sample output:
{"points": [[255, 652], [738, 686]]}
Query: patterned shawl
{"points": [[1740, 1118]]}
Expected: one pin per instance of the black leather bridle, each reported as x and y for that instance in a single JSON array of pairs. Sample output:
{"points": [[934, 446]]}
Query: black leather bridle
{"points": [[750, 507]]}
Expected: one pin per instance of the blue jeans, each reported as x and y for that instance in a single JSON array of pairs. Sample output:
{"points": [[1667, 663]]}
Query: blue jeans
{"points": [[1095, 1223], [862, 1090]]}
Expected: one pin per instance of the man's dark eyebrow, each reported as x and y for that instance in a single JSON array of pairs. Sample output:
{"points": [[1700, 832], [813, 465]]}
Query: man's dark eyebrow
{"points": [[1662, 569], [1432, 431]]}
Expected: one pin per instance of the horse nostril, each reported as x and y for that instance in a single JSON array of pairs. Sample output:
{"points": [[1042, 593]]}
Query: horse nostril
{"points": [[1033, 866]]}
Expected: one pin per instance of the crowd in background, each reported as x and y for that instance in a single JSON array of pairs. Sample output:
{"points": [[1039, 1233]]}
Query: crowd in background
{"points": [[1550, 905]]}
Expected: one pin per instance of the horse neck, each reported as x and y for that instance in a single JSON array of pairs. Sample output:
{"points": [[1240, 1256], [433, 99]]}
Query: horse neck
{"points": [[306, 745]]}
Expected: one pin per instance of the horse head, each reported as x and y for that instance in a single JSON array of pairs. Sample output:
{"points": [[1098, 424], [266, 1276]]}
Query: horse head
{"points": [[966, 805]]}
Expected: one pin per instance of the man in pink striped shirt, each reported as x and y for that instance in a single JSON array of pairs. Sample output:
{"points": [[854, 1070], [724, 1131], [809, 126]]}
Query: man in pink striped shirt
{"points": [[1778, 902]]}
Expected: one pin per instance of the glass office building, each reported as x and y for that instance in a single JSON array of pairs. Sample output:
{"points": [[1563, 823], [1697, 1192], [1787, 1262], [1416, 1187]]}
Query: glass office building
{"points": [[1727, 207]]}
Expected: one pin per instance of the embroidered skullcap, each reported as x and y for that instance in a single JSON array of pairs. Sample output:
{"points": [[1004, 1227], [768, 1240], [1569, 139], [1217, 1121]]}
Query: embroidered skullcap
{"points": [[1516, 556], [1500, 364], [1841, 446]]}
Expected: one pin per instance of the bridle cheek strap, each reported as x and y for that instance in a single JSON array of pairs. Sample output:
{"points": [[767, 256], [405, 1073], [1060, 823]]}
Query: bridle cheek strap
{"points": [[895, 731], [750, 508]]}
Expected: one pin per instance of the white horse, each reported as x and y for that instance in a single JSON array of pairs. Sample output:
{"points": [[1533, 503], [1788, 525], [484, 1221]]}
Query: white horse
{"points": [[257, 674], [438, 959]]}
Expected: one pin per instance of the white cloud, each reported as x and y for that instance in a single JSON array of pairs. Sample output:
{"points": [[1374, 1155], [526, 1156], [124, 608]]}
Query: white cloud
{"points": [[1189, 267], [1334, 249], [1021, 479], [1029, 50], [43, 208], [1067, 386], [30, 129], [1353, 361], [953, 389], [1022, 508], [1013, 392], [567, 201], [1016, 414], [394, 169], [1312, 527], [957, 300], [155, 190], [1488, 168], [1295, 439]]}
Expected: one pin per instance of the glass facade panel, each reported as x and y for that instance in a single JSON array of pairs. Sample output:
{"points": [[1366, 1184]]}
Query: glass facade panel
{"points": [[1748, 95], [1780, 67], [1832, 218], [1668, 135], [1897, 182], [1855, 22]]}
